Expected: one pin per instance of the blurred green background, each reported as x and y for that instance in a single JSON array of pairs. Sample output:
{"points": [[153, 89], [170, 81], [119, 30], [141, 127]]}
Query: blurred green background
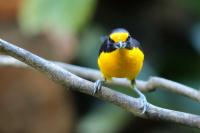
{"points": [[70, 31]]}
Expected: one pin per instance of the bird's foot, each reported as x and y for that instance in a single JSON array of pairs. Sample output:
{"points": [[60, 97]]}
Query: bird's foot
{"points": [[144, 102], [97, 86], [142, 98]]}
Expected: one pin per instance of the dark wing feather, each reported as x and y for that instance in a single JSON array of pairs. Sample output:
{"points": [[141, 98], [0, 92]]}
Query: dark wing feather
{"points": [[107, 46], [131, 43]]}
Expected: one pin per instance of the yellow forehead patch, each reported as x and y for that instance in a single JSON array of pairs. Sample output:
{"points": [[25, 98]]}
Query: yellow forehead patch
{"points": [[119, 36]]}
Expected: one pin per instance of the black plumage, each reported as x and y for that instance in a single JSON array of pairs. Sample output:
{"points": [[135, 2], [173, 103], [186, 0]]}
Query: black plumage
{"points": [[108, 44]]}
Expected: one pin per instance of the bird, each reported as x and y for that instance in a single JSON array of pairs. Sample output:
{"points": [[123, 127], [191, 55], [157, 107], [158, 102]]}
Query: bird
{"points": [[121, 56]]}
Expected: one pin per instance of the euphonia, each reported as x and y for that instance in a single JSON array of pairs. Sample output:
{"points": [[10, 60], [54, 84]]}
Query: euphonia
{"points": [[120, 56]]}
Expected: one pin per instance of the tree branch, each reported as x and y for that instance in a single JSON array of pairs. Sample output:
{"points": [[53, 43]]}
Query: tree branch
{"points": [[93, 75], [69, 80]]}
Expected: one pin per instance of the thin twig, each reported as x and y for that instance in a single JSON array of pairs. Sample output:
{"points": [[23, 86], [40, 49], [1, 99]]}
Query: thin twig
{"points": [[73, 82], [93, 75]]}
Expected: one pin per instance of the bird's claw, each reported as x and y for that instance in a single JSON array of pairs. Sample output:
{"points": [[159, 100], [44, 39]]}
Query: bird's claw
{"points": [[97, 86], [144, 102]]}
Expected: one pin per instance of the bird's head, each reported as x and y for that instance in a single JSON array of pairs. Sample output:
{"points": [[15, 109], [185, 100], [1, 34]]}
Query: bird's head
{"points": [[119, 37]]}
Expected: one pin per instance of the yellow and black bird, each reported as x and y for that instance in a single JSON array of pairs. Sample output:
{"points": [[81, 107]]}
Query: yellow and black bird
{"points": [[120, 56]]}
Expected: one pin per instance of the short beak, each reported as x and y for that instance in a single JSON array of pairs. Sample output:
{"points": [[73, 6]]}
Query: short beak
{"points": [[120, 45]]}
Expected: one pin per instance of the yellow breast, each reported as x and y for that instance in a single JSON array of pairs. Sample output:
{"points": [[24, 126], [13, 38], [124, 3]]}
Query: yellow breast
{"points": [[121, 63]]}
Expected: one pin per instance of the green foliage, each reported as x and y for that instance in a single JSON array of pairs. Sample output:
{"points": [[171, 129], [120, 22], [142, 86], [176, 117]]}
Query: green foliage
{"points": [[89, 46], [71, 15], [106, 118], [192, 5], [195, 34]]}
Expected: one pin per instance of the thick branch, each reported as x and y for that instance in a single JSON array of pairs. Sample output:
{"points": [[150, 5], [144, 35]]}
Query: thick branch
{"points": [[92, 74], [69, 80]]}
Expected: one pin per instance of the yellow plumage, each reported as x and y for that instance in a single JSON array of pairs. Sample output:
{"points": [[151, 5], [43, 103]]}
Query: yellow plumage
{"points": [[121, 63], [119, 36]]}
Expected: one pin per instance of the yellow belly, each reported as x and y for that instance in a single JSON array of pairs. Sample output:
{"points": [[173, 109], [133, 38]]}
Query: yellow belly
{"points": [[121, 63]]}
